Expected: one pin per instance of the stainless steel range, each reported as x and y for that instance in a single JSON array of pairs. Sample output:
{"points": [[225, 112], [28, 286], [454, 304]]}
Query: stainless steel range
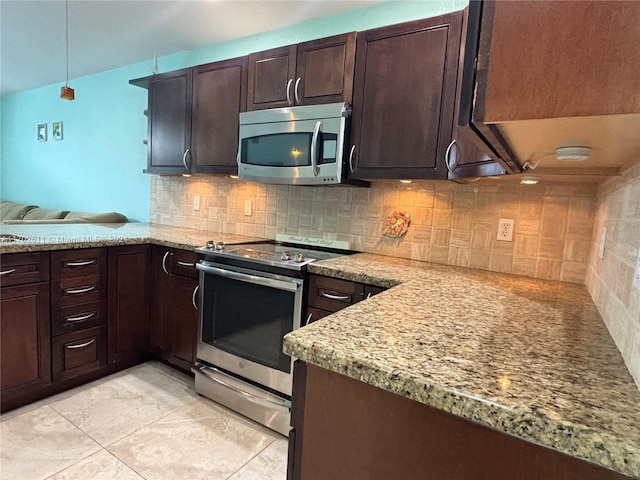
{"points": [[252, 295]]}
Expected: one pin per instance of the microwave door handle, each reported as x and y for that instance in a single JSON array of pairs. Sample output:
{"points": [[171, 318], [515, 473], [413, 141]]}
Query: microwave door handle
{"points": [[314, 148]]}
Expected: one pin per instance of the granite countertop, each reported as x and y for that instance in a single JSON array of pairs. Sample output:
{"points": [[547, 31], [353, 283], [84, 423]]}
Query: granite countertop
{"points": [[43, 237], [529, 357]]}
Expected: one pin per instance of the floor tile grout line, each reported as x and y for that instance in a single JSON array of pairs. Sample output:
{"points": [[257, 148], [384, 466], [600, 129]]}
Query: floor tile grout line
{"points": [[251, 459], [74, 463]]}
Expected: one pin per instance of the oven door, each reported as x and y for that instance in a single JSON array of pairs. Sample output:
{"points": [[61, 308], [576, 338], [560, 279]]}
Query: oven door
{"points": [[244, 316]]}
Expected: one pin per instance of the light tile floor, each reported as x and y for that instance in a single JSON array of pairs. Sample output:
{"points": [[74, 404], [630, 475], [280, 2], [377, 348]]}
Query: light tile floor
{"points": [[146, 422]]}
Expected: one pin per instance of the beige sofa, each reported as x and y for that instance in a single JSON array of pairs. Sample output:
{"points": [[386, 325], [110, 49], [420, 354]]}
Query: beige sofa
{"points": [[17, 213]]}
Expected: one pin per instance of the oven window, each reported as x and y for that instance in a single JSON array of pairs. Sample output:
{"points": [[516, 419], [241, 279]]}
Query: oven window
{"points": [[287, 149], [248, 320]]}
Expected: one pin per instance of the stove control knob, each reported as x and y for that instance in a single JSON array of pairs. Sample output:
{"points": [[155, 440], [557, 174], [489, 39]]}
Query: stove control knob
{"points": [[299, 257], [219, 246], [210, 244], [286, 256]]}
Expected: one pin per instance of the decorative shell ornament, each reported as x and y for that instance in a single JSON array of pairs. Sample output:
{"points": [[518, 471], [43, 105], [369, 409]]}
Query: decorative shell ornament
{"points": [[396, 225]]}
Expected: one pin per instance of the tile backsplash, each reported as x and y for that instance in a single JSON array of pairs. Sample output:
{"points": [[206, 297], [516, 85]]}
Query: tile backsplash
{"points": [[610, 279], [451, 223]]}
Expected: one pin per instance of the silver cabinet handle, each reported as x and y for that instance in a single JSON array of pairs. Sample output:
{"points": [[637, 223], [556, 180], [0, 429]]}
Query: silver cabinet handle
{"points": [[295, 90], [80, 318], [331, 296], [193, 297], [447, 157], [289, 91], [186, 264], [80, 290], [80, 263], [184, 160], [308, 319], [71, 347], [368, 296], [164, 262], [7, 272], [353, 149], [314, 148]]}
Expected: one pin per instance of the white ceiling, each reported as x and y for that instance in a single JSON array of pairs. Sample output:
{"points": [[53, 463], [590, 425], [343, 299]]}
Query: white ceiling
{"points": [[106, 34]]}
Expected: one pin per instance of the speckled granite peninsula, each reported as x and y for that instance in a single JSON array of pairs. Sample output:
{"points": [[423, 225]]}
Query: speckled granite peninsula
{"points": [[528, 357]]}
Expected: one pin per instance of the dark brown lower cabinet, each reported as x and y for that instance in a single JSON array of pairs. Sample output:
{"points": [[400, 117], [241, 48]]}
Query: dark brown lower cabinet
{"points": [[25, 335], [347, 430], [183, 325], [79, 352], [128, 304]]}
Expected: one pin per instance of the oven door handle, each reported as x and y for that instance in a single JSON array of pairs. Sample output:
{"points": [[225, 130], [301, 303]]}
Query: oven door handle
{"points": [[290, 286], [285, 406]]}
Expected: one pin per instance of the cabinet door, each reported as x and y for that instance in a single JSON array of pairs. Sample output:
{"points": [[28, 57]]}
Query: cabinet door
{"points": [[128, 312], [169, 122], [271, 78], [25, 337], [219, 95], [325, 70], [404, 99], [159, 331], [183, 317]]}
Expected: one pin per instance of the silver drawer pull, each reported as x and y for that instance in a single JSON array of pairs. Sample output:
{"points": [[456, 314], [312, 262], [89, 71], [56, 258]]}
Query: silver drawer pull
{"points": [[80, 318], [7, 272], [80, 290], [164, 262], [368, 296], [308, 319], [186, 264], [80, 263], [333, 296], [193, 297], [71, 347]]}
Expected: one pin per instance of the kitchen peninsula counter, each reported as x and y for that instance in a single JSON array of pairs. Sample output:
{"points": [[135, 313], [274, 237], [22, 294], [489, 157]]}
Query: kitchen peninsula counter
{"points": [[44, 237], [528, 357]]}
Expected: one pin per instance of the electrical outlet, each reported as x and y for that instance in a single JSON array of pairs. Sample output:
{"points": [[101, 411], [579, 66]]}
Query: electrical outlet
{"points": [[505, 229], [196, 202], [247, 208], [636, 273], [603, 239]]}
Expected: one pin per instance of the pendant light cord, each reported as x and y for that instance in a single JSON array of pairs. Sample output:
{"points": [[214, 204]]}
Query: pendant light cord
{"points": [[66, 3]]}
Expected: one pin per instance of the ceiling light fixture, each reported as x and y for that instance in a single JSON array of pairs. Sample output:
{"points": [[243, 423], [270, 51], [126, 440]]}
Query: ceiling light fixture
{"points": [[572, 154], [67, 92], [529, 180]]}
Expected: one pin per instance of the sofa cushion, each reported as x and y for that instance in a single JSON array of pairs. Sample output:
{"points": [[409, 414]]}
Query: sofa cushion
{"points": [[84, 217], [44, 214], [13, 211]]}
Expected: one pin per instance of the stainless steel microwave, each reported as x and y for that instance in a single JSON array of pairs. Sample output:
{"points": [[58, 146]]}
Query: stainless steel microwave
{"points": [[294, 145]]}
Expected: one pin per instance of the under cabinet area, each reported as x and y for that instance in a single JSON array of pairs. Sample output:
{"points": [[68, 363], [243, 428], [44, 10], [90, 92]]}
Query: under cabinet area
{"points": [[25, 358], [327, 295], [174, 306], [319, 71]]}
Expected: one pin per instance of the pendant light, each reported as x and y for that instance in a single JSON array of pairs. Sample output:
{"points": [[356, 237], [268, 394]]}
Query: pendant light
{"points": [[67, 92]]}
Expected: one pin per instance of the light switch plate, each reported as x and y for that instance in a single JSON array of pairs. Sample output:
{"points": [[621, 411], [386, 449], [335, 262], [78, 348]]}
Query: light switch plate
{"points": [[636, 273], [196, 202], [247, 208]]}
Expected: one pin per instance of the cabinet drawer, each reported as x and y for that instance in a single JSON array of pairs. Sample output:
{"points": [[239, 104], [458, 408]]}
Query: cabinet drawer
{"points": [[78, 317], [22, 268], [77, 290], [78, 263], [183, 262], [332, 294], [79, 352]]}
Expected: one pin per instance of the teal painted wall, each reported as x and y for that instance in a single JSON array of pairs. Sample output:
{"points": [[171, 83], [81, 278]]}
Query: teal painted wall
{"points": [[98, 164]]}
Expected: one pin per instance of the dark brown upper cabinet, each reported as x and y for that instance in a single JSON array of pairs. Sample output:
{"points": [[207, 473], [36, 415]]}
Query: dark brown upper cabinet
{"points": [[404, 98], [169, 121], [541, 75], [315, 72], [219, 95], [463, 157], [193, 118]]}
